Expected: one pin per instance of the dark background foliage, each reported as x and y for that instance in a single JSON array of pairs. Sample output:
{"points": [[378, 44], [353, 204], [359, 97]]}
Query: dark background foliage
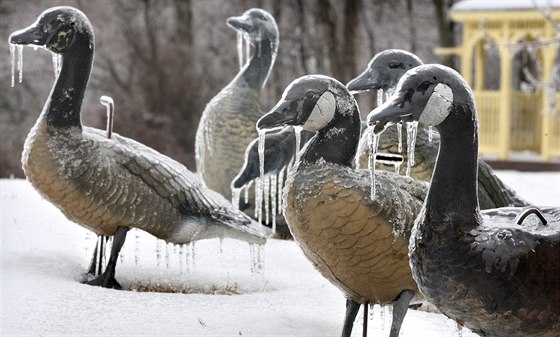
{"points": [[163, 60]]}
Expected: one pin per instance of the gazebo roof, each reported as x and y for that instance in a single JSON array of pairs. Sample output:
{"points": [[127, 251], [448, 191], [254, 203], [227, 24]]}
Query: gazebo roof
{"points": [[503, 5]]}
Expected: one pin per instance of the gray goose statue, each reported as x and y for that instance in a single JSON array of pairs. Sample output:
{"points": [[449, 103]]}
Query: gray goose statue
{"points": [[227, 125], [495, 271], [358, 243], [109, 185], [382, 73]]}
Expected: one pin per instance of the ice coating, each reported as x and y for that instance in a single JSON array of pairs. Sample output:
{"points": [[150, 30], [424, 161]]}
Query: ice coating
{"points": [[13, 58], [374, 143], [411, 131]]}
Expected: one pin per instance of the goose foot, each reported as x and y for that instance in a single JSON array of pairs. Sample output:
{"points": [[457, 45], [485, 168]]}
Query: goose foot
{"points": [[400, 307], [351, 312], [106, 281], [107, 278]]}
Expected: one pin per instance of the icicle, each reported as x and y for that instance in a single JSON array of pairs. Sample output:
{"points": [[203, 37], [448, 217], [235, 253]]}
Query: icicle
{"points": [[181, 259], [158, 252], [240, 48], [399, 135], [35, 48], [257, 198], [166, 255], [187, 252], [136, 247], [20, 62], [280, 188], [235, 196], [13, 58], [374, 143], [259, 45], [247, 49], [193, 255], [411, 130], [297, 132], [221, 245], [273, 193], [246, 196], [262, 138], [397, 168], [266, 196], [57, 63], [430, 133], [86, 245], [379, 97], [257, 260]]}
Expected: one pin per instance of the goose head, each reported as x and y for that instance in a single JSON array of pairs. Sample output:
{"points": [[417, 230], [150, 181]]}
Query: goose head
{"points": [[427, 94], [311, 102], [384, 70], [256, 24], [60, 30]]}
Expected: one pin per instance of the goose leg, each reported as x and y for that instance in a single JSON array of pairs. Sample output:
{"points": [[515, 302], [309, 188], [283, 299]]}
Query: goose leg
{"points": [[400, 307], [107, 279], [94, 269], [351, 312]]}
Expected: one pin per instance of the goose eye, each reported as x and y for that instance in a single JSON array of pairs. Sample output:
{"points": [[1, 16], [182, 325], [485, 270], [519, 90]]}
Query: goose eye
{"points": [[423, 86], [395, 65]]}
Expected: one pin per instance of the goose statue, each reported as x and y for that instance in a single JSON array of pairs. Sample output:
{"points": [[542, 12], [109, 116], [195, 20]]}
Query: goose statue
{"points": [[496, 271], [109, 185], [357, 242], [382, 73], [227, 125]]}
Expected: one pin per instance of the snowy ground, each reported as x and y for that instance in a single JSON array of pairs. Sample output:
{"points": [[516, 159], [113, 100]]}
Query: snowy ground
{"points": [[44, 255]]}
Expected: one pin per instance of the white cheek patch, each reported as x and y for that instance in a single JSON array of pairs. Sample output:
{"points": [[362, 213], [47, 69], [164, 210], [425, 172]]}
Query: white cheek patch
{"points": [[322, 113], [438, 107]]}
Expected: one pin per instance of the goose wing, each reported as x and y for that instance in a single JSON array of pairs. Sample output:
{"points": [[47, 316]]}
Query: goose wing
{"points": [[173, 183], [502, 241], [358, 243]]}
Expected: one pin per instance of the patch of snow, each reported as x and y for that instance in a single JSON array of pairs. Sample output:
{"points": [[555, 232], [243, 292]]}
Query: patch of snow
{"points": [[44, 256], [501, 5]]}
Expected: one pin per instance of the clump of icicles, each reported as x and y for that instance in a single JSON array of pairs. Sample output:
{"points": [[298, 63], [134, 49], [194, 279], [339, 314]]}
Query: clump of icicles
{"points": [[243, 42], [257, 260], [16, 50]]}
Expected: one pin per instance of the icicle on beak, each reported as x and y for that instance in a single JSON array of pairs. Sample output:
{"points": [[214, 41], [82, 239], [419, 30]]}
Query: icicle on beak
{"points": [[20, 62], [13, 58], [411, 131], [399, 135]]}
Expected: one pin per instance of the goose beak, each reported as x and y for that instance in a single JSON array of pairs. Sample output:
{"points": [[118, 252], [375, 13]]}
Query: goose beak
{"points": [[239, 23], [30, 35], [388, 114], [364, 82], [283, 114]]}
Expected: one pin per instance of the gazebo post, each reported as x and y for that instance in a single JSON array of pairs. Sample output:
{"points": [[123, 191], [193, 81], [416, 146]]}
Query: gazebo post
{"points": [[506, 61], [549, 56]]}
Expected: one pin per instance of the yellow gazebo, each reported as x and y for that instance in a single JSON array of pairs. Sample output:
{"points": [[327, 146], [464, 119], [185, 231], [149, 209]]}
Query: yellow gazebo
{"points": [[496, 33]]}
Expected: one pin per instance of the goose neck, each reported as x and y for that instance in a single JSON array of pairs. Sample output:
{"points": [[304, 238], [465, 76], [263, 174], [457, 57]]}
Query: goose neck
{"points": [[453, 197], [62, 109], [256, 72]]}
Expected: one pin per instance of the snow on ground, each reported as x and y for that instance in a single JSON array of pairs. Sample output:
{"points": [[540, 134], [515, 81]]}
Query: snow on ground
{"points": [[44, 256]]}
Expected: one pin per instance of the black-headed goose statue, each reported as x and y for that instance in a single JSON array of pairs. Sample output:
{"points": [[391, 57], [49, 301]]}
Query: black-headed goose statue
{"points": [[227, 125], [109, 185], [383, 73], [495, 271], [358, 243]]}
